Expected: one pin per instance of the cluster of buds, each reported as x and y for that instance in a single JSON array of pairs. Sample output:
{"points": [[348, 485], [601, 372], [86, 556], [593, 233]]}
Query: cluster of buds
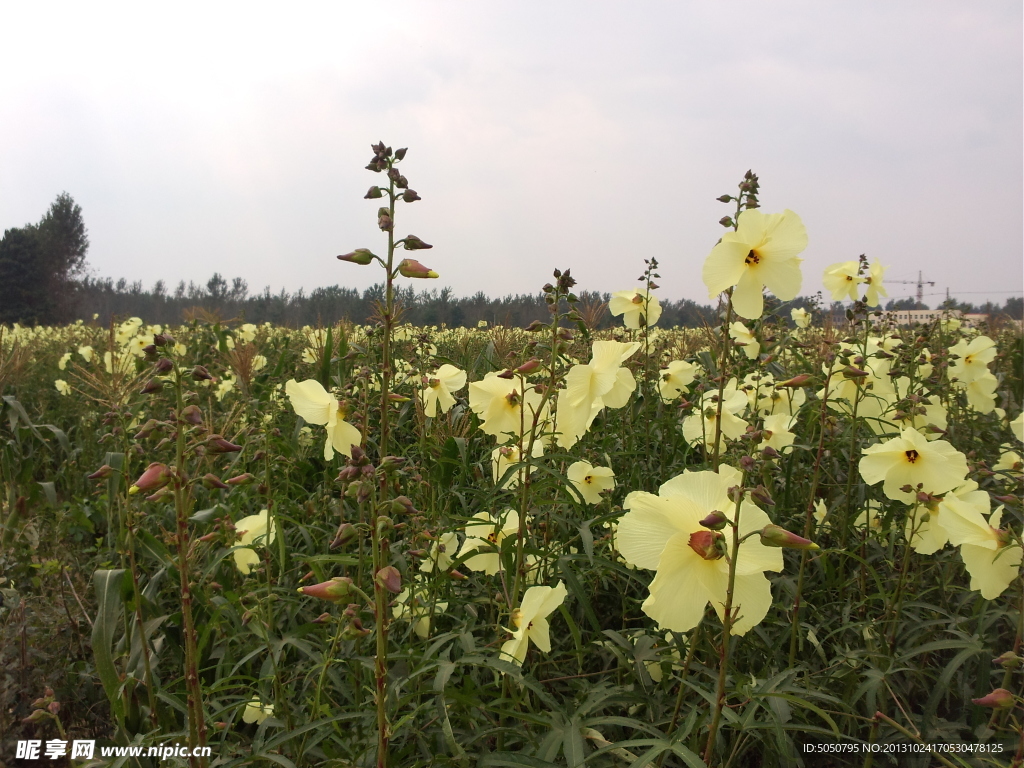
{"points": [[44, 708], [382, 157], [747, 197]]}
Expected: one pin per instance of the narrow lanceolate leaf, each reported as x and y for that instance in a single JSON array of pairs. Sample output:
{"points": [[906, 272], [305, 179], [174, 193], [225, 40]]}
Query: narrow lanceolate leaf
{"points": [[108, 619]]}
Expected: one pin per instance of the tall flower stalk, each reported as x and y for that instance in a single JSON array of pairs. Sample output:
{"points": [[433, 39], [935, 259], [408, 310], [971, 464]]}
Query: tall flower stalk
{"points": [[386, 161]]}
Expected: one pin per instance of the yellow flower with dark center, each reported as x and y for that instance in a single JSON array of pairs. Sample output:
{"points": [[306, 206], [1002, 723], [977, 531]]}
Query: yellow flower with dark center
{"points": [[531, 622], [761, 252], [910, 461]]}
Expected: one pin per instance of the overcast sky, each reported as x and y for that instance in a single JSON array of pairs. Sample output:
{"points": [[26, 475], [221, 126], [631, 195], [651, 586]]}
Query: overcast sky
{"points": [[591, 135]]}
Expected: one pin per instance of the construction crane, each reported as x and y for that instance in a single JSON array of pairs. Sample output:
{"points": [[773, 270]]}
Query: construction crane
{"points": [[920, 283]]}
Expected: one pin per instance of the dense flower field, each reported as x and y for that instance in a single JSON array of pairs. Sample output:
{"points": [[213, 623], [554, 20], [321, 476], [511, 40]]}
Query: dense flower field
{"points": [[390, 545]]}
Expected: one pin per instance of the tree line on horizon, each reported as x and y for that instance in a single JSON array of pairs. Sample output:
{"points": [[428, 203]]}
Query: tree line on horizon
{"points": [[44, 280]]}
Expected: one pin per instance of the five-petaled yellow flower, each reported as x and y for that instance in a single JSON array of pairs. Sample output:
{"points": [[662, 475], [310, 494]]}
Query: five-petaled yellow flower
{"points": [[588, 481], [663, 532], [484, 535], [638, 307], [255, 531], [761, 252], [317, 406], [911, 460], [992, 558], [842, 280], [437, 395], [531, 622]]}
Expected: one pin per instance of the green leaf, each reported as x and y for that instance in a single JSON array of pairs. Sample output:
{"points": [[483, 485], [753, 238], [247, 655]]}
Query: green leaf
{"points": [[108, 619]]}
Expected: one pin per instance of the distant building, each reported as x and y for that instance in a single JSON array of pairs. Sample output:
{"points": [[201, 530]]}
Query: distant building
{"points": [[915, 316]]}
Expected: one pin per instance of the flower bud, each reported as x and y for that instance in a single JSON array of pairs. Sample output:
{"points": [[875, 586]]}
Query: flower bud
{"points": [[529, 366], [776, 536], [103, 472], [706, 544], [391, 463], [373, 194], [853, 373], [153, 385], [800, 380], [384, 525], [332, 590], [191, 414], [410, 196], [1000, 698], [346, 532], [156, 476], [389, 578], [199, 373], [1008, 660], [384, 220], [716, 521], [761, 496], [725, 221], [400, 153], [413, 243], [217, 444], [361, 256], [535, 326], [240, 479], [148, 429], [163, 365], [163, 493], [211, 481], [412, 268]]}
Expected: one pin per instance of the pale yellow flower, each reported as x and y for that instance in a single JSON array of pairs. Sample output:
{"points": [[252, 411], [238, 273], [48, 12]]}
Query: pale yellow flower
{"points": [[62, 386], [1017, 427], [63, 362], [638, 307], [247, 332], [842, 280], [974, 359], [981, 393], [992, 558], [776, 432], [437, 395], [1011, 463], [663, 533], [484, 535], [589, 481], [676, 379], [86, 353], [531, 622], [742, 336], [255, 531], [873, 283], [256, 711], [499, 404], [316, 406], [801, 317], [699, 427], [442, 553], [911, 460], [416, 608], [761, 252], [926, 530], [506, 456]]}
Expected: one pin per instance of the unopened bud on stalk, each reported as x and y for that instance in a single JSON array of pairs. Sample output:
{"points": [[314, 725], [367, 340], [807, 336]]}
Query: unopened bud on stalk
{"points": [[240, 479], [373, 194], [776, 536], [854, 373], [413, 243], [412, 268], [402, 504], [191, 414], [716, 521], [1008, 660], [761, 496], [1000, 698], [770, 453], [389, 578], [332, 590], [346, 532], [458, 575], [156, 476], [148, 429], [163, 493], [384, 525], [391, 463], [725, 221], [529, 366], [217, 444], [410, 196], [211, 481], [199, 373], [535, 326], [153, 385], [800, 380], [163, 365], [103, 472], [394, 397], [361, 256]]}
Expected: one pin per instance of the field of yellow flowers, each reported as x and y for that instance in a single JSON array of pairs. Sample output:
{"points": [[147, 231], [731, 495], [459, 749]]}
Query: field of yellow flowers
{"points": [[779, 541]]}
